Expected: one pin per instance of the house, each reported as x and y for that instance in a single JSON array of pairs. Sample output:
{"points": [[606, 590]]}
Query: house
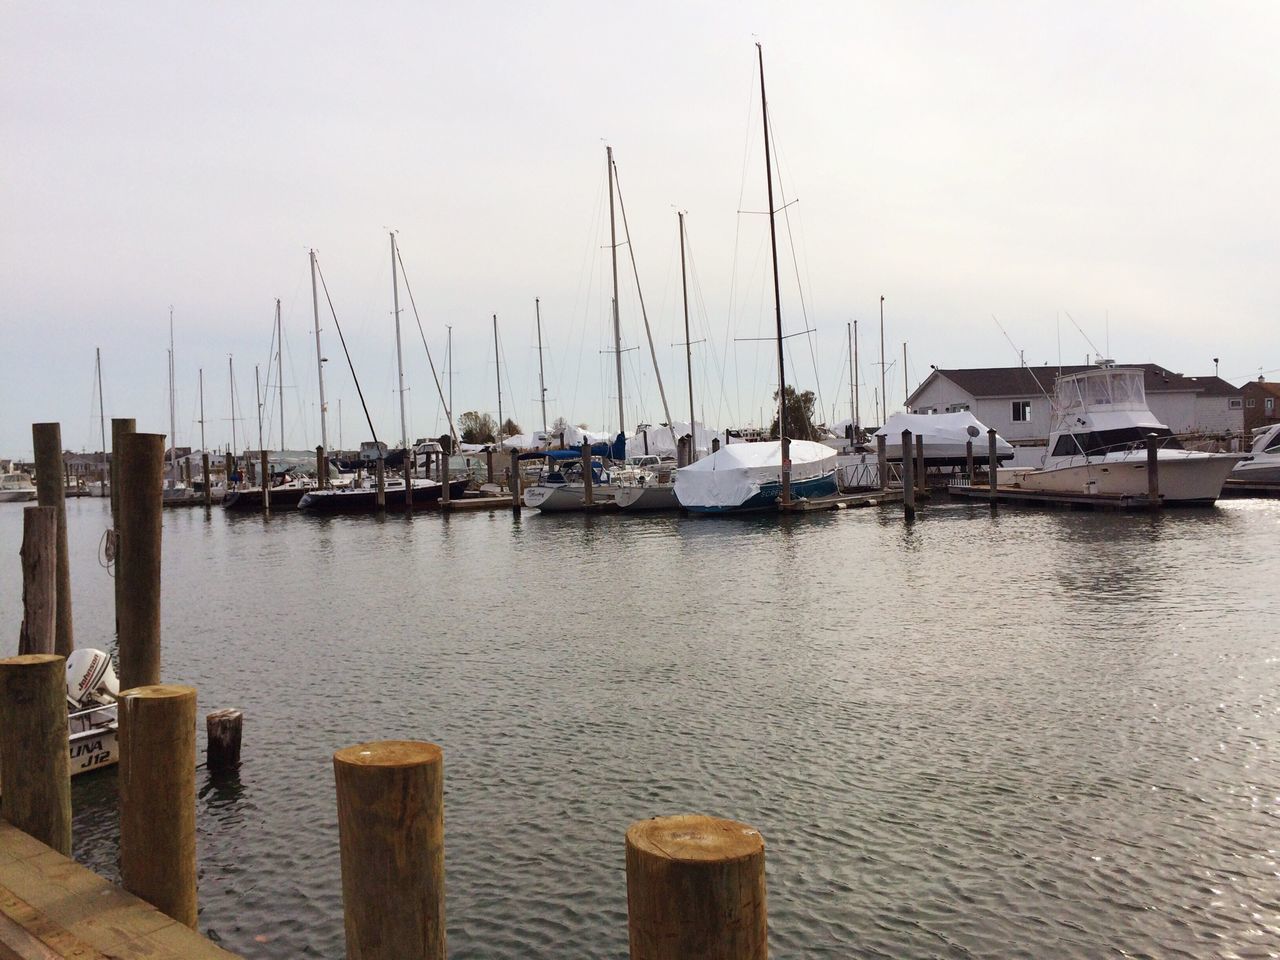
{"points": [[88, 466], [1014, 400], [1261, 404]]}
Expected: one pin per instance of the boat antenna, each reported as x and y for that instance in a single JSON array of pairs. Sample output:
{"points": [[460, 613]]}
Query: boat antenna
{"points": [[332, 312], [447, 404], [1096, 351], [1029, 370]]}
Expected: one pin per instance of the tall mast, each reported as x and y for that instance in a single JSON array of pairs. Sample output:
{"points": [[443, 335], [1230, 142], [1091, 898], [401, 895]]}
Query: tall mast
{"points": [[231, 375], [395, 300], [257, 396], [617, 326], [857, 400], [280, 370], [542, 382], [853, 388], [906, 387], [315, 309], [202, 446], [497, 366], [884, 395], [777, 294], [688, 348], [102, 419], [448, 357], [173, 419]]}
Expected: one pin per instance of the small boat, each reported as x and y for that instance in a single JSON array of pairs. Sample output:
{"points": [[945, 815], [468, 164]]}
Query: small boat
{"points": [[92, 689], [16, 488], [285, 495], [646, 483], [560, 487], [1262, 465], [743, 477], [426, 493], [1098, 445]]}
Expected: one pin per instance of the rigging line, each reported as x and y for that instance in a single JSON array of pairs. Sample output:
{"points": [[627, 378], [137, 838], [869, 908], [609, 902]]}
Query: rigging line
{"points": [[1015, 349], [653, 355], [453, 433], [1096, 351], [347, 353], [706, 324]]}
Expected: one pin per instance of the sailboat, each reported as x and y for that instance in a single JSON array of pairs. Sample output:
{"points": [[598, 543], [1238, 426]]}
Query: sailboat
{"points": [[764, 475], [176, 492]]}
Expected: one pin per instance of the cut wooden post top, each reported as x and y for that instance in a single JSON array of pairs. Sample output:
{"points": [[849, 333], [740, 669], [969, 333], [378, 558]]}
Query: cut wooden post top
{"points": [[695, 838], [26, 659], [157, 691], [390, 753]]}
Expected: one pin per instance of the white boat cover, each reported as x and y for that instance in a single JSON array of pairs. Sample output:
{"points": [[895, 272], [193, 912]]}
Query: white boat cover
{"points": [[662, 440], [573, 437], [945, 434], [734, 474]]}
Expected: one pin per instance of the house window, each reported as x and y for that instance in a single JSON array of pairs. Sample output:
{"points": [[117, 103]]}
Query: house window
{"points": [[1235, 404], [1022, 411], [1251, 403], [1270, 405]]}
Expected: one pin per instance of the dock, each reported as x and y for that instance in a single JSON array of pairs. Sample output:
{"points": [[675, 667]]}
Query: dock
{"points": [[844, 501], [1244, 489], [52, 908], [1041, 498], [476, 503]]}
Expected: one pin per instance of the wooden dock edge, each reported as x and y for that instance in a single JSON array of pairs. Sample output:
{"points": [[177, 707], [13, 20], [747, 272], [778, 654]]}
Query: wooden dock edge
{"points": [[51, 908]]}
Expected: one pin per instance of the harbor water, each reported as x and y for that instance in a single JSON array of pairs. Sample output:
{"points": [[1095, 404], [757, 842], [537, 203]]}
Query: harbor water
{"points": [[1027, 734]]}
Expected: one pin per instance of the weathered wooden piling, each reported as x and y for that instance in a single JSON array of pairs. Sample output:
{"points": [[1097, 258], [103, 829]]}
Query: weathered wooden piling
{"points": [[882, 460], [1153, 470], [391, 842], [488, 464], [51, 491], [157, 797], [35, 771], [39, 555], [993, 465], [266, 482], [444, 478], [514, 481], [119, 427], [715, 444], [696, 888], [138, 558], [908, 480], [380, 479], [204, 476], [250, 470], [224, 728], [968, 460], [322, 474], [588, 494], [407, 473], [229, 466], [922, 479]]}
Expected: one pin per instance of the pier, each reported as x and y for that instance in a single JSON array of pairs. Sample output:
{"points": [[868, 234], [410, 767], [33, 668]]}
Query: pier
{"points": [[1040, 498]]}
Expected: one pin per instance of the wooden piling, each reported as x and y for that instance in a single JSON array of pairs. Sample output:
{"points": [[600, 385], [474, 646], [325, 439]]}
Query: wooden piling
{"points": [[514, 481], [922, 485], [157, 783], [407, 472], [588, 494], [204, 474], [229, 467], [266, 481], [322, 475], [138, 558], [444, 478], [51, 491], [391, 842], [696, 888], [39, 555], [381, 481], [34, 768], [882, 460], [223, 728], [488, 464], [968, 460], [1153, 470], [119, 427], [993, 465], [908, 478]]}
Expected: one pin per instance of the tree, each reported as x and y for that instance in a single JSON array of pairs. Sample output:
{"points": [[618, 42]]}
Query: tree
{"points": [[510, 428], [800, 425], [475, 427], [560, 426]]}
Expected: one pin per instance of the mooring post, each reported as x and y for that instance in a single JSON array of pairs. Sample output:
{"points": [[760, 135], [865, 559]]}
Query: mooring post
{"points": [[882, 459], [119, 427], [968, 460], [588, 495], [266, 481], [321, 473], [223, 728], [157, 782], [204, 475], [381, 483], [444, 478], [908, 481], [715, 444], [391, 844], [993, 465], [408, 480], [1153, 470], [696, 888], [513, 482], [39, 556], [488, 464], [138, 558], [921, 478], [51, 491], [34, 767], [228, 468]]}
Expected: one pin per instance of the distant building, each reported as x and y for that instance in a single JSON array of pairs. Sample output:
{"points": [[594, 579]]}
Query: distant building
{"points": [[1261, 403], [86, 465], [1014, 400]]}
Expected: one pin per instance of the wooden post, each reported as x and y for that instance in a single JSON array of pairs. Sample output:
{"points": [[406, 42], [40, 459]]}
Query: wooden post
{"points": [[138, 558], [1153, 471], [408, 480], [51, 491], [696, 888], [488, 464], [266, 482], [382, 484], [391, 843], [882, 460], [38, 633], [908, 482], [229, 467], [119, 427], [786, 471], [921, 477], [204, 474], [223, 728], [157, 782], [993, 464], [968, 460], [514, 481], [250, 470], [444, 478], [588, 495], [322, 475], [715, 444], [34, 768]]}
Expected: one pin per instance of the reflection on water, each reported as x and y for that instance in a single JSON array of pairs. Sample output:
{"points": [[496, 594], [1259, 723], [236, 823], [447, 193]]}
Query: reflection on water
{"points": [[1027, 734]]}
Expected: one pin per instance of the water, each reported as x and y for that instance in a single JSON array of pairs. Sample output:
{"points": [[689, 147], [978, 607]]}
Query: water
{"points": [[1038, 734]]}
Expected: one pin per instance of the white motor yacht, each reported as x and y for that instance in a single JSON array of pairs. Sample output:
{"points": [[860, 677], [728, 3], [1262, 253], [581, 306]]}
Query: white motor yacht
{"points": [[16, 488], [1098, 445], [1262, 465]]}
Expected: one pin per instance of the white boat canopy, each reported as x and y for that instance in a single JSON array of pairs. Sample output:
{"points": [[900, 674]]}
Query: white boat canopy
{"points": [[734, 474]]}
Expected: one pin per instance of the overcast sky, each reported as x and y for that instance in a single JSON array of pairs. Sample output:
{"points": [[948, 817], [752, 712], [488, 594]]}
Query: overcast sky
{"points": [[1114, 163]]}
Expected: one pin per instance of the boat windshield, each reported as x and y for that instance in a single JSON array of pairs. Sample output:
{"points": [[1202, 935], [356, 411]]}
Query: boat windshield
{"points": [[1098, 442], [1107, 388]]}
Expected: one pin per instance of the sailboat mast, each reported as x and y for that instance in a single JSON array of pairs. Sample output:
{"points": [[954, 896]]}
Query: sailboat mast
{"points": [[617, 326], [777, 293], [542, 382], [853, 388], [202, 446], [257, 396], [315, 309], [448, 359], [231, 375], [906, 387], [280, 370], [395, 300], [857, 400], [884, 394], [497, 366], [102, 419], [688, 347], [173, 418]]}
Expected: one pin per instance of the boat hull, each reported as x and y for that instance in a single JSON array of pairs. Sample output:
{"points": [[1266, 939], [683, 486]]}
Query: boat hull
{"points": [[1258, 471], [564, 498], [771, 492], [653, 496], [1188, 479], [17, 496], [366, 500], [282, 498]]}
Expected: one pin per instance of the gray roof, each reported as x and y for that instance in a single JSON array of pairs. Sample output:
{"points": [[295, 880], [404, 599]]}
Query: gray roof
{"points": [[1035, 381]]}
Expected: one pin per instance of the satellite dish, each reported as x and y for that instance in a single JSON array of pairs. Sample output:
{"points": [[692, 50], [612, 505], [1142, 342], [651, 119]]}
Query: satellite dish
{"points": [[972, 430]]}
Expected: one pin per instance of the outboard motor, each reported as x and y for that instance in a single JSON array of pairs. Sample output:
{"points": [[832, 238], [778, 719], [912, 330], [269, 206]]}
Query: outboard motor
{"points": [[91, 680]]}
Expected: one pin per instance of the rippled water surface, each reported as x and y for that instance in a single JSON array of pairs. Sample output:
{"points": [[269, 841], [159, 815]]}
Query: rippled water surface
{"points": [[1029, 735]]}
